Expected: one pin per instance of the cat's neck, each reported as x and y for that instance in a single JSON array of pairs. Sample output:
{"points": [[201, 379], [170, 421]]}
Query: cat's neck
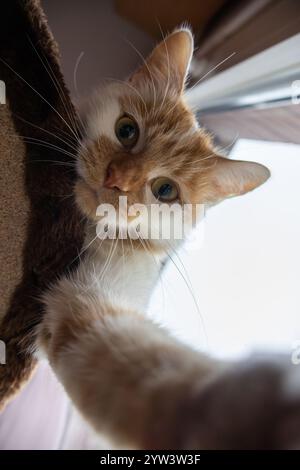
{"points": [[122, 271]]}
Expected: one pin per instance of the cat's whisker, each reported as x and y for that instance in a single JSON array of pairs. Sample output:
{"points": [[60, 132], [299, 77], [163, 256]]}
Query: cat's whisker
{"points": [[61, 162], [109, 258], [54, 162], [148, 69], [187, 278], [99, 245], [218, 150], [189, 287], [70, 138], [205, 76], [44, 143], [96, 275], [83, 219], [66, 196], [212, 70], [171, 109], [132, 248], [78, 62], [143, 242], [168, 64], [193, 164], [40, 96], [123, 256], [66, 103], [146, 247], [228, 146], [57, 85], [72, 146], [41, 143], [86, 247], [180, 260], [101, 274], [124, 82]]}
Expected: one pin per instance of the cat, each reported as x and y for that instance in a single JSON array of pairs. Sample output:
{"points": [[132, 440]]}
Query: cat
{"points": [[130, 379]]}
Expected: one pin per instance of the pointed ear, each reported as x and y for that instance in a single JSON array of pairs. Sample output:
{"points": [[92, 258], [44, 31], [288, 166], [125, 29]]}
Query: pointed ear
{"points": [[233, 177], [169, 62]]}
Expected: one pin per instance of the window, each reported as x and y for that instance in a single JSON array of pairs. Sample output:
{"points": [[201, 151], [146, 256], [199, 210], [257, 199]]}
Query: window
{"points": [[245, 275]]}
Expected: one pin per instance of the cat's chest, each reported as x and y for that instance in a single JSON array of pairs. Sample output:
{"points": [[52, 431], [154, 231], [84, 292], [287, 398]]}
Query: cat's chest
{"points": [[127, 281]]}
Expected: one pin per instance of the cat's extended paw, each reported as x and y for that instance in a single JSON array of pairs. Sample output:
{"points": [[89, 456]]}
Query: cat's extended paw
{"points": [[253, 405]]}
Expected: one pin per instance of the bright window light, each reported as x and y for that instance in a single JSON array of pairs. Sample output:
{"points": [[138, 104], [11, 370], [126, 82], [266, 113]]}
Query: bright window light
{"points": [[246, 274]]}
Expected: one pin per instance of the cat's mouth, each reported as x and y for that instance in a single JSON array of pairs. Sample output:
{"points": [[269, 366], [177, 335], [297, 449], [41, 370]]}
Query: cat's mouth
{"points": [[90, 199]]}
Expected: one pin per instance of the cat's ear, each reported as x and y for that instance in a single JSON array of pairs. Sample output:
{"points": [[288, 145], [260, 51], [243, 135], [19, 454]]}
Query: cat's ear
{"points": [[169, 61], [234, 177]]}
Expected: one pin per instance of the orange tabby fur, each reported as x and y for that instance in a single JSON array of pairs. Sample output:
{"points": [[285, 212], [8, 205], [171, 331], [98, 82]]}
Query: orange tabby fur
{"points": [[127, 376]]}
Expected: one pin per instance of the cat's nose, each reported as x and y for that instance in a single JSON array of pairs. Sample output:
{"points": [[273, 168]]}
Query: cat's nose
{"points": [[114, 178]]}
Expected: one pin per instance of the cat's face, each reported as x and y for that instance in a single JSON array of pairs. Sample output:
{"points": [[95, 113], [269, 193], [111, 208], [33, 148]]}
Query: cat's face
{"points": [[144, 143]]}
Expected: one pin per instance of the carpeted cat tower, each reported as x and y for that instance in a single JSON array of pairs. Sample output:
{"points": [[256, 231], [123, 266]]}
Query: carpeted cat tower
{"points": [[41, 233]]}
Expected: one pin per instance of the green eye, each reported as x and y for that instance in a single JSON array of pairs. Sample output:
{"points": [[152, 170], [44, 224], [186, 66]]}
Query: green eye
{"points": [[127, 131], [164, 189]]}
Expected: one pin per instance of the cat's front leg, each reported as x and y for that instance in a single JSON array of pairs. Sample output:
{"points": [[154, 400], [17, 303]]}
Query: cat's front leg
{"points": [[135, 383], [127, 376], [253, 404]]}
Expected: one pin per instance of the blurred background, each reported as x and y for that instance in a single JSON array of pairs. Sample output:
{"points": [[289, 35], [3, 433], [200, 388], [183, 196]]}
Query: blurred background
{"points": [[238, 289]]}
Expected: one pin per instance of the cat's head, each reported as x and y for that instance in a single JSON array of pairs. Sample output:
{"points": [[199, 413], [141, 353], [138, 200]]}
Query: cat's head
{"points": [[143, 142]]}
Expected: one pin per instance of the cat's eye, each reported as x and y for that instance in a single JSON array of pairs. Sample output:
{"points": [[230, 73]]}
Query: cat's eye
{"points": [[127, 131], [164, 189]]}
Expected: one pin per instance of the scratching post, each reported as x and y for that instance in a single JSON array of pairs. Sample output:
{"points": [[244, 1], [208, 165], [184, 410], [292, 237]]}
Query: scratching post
{"points": [[41, 230]]}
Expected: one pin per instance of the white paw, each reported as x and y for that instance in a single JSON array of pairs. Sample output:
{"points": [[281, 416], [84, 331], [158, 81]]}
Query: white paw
{"points": [[253, 405]]}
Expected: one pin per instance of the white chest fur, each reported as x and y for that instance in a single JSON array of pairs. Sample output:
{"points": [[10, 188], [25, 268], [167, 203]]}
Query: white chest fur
{"points": [[121, 274]]}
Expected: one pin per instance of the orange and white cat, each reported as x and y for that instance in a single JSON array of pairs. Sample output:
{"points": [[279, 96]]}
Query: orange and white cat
{"points": [[128, 377]]}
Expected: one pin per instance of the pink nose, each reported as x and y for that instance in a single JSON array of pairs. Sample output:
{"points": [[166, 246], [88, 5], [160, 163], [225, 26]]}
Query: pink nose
{"points": [[113, 179]]}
